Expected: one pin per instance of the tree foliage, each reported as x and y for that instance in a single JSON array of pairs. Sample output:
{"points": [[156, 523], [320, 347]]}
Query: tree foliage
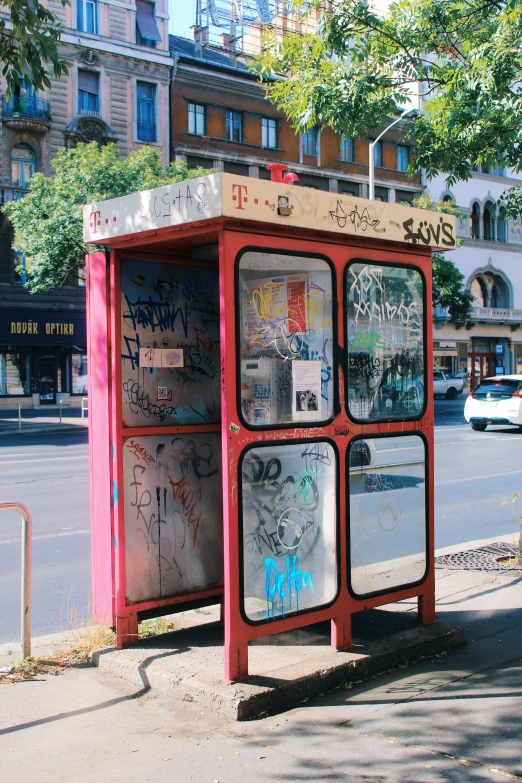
{"points": [[28, 41], [361, 66], [448, 283], [48, 221]]}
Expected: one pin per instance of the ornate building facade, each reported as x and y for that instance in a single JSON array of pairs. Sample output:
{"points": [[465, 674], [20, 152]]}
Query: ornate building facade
{"points": [[117, 90], [490, 259]]}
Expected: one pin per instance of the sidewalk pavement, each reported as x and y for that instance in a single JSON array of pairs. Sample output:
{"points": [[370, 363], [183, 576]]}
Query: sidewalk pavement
{"points": [[45, 419], [449, 718]]}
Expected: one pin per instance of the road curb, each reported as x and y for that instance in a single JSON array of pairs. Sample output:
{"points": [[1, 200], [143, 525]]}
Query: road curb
{"points": [[51, 428]]}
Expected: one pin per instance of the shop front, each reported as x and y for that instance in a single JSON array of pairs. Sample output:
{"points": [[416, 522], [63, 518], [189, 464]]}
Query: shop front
{"points": [[488, 356], [43, 356]]}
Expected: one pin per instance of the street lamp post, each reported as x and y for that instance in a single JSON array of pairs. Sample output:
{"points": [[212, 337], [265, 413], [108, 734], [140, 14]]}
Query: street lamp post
{"points": [[371, 163]]}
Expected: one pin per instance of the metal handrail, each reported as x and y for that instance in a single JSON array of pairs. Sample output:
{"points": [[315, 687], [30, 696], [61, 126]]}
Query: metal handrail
{"points": [[62, 404], [19, 411], [85, 407], [25, 620]]}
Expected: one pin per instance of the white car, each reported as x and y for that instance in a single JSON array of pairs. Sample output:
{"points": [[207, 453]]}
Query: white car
{"points": [[495, 401]]}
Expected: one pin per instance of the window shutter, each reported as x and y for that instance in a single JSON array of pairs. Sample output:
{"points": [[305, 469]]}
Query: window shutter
{"points": [[146, 21], [88, 81]]}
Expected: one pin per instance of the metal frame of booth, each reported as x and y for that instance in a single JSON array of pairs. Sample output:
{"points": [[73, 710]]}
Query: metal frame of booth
{"points": [[173, 244]]}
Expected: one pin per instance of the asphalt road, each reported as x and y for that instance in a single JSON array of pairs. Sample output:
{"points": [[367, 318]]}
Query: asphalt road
{"points": [[474, 473], [48, 472]]}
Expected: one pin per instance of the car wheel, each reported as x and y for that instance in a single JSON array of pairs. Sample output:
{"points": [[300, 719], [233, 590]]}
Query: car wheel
{"points": [[475, 425], [451, 393]]}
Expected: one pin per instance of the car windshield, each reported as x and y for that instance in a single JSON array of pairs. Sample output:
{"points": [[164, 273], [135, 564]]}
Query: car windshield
{"points": [[503, 388]]}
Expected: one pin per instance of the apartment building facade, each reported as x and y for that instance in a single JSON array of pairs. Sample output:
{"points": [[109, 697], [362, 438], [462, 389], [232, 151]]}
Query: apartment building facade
{"points": [[221, 118], [490, 259], [117, 90]]}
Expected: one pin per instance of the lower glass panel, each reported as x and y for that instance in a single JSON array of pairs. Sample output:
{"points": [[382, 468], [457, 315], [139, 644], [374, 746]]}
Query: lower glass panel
{"points": [[289, 519], [172, 514], [387, 513]]}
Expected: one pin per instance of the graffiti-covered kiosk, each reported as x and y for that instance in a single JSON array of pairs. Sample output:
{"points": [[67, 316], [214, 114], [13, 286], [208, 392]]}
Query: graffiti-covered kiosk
{"points": [[261, 416]]}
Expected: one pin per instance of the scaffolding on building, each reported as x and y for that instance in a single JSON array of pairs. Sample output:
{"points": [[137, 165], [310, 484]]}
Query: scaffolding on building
{"points": [[238, 27]]}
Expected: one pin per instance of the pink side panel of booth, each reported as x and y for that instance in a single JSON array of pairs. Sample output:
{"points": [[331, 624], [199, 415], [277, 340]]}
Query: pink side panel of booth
{"points": [[99, 440]]}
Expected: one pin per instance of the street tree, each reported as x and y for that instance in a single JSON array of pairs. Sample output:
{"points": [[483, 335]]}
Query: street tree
{"points": [[361, 66], [48, 221], [29, 44], [448, 289]]}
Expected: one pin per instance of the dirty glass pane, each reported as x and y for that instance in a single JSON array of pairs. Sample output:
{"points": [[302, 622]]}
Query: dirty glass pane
{"points": [[169, 344], [387, 513], [286, 345], [289, 511], [172, 514], [385, 342]]}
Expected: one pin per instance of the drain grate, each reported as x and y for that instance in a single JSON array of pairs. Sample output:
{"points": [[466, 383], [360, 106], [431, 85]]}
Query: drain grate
{"points": [[483, 559]]}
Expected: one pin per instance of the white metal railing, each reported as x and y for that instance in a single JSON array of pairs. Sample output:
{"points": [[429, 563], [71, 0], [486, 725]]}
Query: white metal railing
{"points": [[85, 406], [25, 603], [496, 314], [5, 404]]}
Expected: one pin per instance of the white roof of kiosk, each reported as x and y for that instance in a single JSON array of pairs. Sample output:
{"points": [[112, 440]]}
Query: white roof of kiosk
{"points": [[227, 195]]}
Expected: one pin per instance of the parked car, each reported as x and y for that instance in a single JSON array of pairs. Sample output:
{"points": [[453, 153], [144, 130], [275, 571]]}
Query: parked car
{"points": [[445, 385], [495, 401], [362, 455]]}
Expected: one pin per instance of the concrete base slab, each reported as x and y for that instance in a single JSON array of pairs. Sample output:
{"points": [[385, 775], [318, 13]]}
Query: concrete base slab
{"points": [[285, 669]]}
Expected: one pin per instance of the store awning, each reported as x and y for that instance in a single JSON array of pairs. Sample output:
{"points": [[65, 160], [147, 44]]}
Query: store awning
{"points": [[445, 352]]}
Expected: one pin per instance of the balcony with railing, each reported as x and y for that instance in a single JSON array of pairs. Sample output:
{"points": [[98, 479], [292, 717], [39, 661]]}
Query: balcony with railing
{"points": [[12, 194], [26, 113], [496, 315], [146, 131]]}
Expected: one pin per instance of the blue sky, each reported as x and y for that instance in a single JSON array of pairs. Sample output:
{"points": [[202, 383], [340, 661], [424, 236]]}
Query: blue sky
{"points": [[182, 16]]}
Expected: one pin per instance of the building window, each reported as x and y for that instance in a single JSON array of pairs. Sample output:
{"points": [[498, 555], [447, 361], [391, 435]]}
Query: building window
{"points": [[23, 166], [146, 111], [87, 16], [88, 91], [350, 188], [309, 142], [480, 292], [381, 194], [79, 379], [81, 278], [501, 226], [403, 157], [234, 126], [499, 170], [347, 150], [487, 222], [22, 266], [14, 374], [269, 133], [405, 197], [377, 155], [196, 119], [147, 33], [475, 221]]}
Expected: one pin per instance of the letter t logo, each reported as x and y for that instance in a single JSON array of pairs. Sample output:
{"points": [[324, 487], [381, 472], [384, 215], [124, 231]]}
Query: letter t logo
{"points": [[239, 195], [95, 222]]}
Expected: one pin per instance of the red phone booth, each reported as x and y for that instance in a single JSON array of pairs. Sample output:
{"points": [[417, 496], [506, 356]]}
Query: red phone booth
{"points": [[261, 416]]}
